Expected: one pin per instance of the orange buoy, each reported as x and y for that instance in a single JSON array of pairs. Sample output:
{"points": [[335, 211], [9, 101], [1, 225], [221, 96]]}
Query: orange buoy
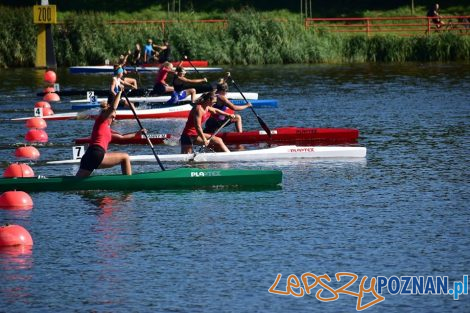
{"points": [[42, 104], [16, 200], [51, 97], [36, 135], [18, 170], [50, 77], [36, 122], [28, 152], [47, 111], [49, 89], [14, 235]]}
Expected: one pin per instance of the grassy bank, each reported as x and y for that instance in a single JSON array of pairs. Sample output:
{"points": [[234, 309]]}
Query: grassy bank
{"points": [[250, 38]]}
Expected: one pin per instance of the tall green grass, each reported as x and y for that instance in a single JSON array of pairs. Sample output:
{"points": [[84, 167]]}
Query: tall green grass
{"points": [[249, 38]]}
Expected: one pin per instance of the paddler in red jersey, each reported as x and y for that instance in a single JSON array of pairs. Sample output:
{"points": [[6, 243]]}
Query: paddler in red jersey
{"points": [[96, 156], [161, 86], [192, 132], [224, 104]]}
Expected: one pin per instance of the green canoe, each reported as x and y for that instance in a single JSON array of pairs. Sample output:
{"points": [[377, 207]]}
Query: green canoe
{"points": [[181, 178]]}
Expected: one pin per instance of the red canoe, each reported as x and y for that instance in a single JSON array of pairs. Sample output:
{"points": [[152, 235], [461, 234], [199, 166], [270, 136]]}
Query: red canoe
{"points": [[284, 135]]}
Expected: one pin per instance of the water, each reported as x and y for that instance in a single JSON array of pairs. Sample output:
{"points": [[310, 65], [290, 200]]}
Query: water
{"points": [[403, 211]]}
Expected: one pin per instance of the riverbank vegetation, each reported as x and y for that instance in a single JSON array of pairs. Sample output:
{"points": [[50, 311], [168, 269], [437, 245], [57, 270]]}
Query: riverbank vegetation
{"points": [[249, 37]]}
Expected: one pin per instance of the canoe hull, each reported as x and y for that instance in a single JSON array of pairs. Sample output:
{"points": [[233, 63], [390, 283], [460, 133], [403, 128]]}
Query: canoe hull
{"points": [[143, 69], [269, 154], [181, 178], [283, 135], [294, 135], [145, 105], [231, 95], [178, 111]]}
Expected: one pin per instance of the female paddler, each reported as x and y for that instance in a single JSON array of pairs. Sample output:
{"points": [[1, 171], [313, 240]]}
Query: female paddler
{"points": [[224, 104], [161, 86], [96, 156], [118, 82], [192, 132], [179, 83]]}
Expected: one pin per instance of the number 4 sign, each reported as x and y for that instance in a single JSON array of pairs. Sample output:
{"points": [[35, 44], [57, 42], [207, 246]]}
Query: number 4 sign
{"points": [[38, 112]]}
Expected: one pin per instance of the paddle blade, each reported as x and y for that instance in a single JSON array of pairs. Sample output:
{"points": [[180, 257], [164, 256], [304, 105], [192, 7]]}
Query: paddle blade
{"points": [[264, 126]]}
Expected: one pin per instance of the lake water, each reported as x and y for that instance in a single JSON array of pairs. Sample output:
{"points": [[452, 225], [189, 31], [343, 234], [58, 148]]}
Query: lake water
{"points": [[404, 211]]}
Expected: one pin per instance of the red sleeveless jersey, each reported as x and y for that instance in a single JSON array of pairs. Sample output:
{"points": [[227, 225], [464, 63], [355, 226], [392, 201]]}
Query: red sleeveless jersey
{"points": [[190, 127], [101, 134]]}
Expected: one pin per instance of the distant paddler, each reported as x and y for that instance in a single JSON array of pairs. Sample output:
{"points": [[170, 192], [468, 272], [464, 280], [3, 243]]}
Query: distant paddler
{"points": [[180, 81], [96, 155], [193, 134], [224, 104], [119, 82], [161, 86]]}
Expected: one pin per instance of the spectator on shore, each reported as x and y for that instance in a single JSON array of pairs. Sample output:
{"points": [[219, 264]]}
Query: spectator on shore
{"points": [[137, 55], [436, 18], [165, 52], [150, 54]]}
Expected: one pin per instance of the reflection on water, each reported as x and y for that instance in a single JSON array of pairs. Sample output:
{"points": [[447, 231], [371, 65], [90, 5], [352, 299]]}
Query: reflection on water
{"points": [[15, 263], [16, 257]]}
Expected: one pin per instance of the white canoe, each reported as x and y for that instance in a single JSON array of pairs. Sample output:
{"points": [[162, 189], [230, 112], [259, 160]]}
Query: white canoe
{"points": [[230, 95], [270, 154], [178, 111]]}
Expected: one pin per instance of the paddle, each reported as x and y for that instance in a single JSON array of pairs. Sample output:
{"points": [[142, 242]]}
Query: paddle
{"points": [[131, 105], [260, 120], [215, 133], [195, 69]]}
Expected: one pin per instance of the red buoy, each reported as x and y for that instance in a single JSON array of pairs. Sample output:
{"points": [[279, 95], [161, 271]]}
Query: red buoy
{"points": [[42, 104], [36, 122], [50, 77], [14, 235], [51, 97], [18, 170], [16, 200], [28, 152], [49, 89], [47, 111], [36, 135]]}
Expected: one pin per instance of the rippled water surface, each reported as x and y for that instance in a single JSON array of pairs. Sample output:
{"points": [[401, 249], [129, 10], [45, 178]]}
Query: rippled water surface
{"points": [[403, 211]]}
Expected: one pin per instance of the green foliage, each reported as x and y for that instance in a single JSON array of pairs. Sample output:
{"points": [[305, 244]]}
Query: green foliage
{"points": [[249, 37], [17, 37]]}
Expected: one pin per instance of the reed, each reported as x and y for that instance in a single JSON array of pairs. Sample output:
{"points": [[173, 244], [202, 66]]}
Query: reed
{"points": [[248, 38]]}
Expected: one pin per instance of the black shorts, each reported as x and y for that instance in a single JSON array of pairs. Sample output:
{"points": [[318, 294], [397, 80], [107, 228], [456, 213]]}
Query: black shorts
{"points": [[92, 158], [159, 88], [186, 140], [212, 124]]}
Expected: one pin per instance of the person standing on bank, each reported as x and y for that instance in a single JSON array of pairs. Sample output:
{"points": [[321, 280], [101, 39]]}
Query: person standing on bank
{"points": [[96, 155], [436, 18]]}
